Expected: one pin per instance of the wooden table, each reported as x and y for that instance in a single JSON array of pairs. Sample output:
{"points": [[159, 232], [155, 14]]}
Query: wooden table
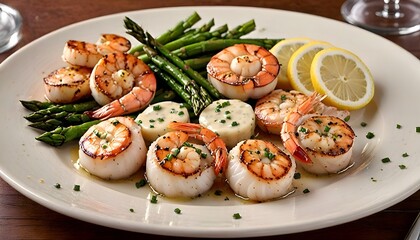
{"points": [[21, 218]]}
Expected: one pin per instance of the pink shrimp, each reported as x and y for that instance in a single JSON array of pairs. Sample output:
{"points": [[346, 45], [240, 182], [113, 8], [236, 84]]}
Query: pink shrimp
{"points": [[121, 83], [291, 123], [243, 71], [213, 142]]}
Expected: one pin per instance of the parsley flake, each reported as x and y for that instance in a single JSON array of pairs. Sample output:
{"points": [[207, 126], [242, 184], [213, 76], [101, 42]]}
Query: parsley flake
{"points": [[177, 211]]}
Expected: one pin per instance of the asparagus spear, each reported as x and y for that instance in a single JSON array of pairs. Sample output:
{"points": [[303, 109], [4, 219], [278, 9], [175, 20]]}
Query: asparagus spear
{"points": [[189, 85], [171, 83], [62, 119], [198, 63], [54, 110], [241, 30], [35, 105], [197, 37], [195, 49], [173, 33], [61, 135], [136, 31], [190, 39]]}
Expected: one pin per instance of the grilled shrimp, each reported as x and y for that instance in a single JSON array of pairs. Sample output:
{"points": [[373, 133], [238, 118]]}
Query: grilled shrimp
{"points": [[86, 54], [121, 83], [112, 149], [271, 109], [322, 144], [328, 141], [258, 170], [243, 71], [110, 43], [178, 168], [67, 84]]}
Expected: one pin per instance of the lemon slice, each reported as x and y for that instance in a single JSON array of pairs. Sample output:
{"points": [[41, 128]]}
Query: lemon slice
{"points": [[283, 50], [343, 77], [299, 66]]}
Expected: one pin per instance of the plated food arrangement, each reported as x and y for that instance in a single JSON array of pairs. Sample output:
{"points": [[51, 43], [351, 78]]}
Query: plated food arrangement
{"points": [[189, 118]]}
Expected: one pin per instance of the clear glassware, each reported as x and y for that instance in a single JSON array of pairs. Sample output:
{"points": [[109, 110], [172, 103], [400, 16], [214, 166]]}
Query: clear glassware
{"points": [[10, 24], [383, 16]]}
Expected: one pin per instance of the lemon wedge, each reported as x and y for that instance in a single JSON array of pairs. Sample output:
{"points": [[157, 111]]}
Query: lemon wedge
{"points": [[283, 50], [299, 66], [343, 77]]}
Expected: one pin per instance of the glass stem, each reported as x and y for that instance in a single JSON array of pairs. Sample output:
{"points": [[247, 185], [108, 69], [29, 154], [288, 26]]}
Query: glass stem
{"points": [[391, 9]]}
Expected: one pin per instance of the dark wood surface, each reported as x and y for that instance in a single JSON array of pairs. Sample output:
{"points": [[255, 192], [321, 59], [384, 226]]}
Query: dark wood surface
{"points": [[21, 218]]}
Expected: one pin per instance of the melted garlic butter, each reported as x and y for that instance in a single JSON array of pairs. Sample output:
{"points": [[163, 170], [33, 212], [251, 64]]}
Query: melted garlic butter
{"points": [[233, 120], [155, 118]]}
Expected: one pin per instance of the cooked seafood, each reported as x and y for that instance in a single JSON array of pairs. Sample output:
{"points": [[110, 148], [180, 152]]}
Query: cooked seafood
{"points": [[271, 109], [178, 168], [122, 83], [258, 170], [86, 54], [155, 118], [243, 71], [323, 144], [67, 84], [233, 120], [112, 149]]}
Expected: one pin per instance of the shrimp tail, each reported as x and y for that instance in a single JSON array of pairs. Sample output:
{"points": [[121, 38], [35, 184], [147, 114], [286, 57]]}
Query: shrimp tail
{"points": [[290, 125], [213, 142], [114, 108]]}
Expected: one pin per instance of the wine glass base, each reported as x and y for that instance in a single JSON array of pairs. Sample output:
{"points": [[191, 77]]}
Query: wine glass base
{"points": [[10, 24], [370, 15]]}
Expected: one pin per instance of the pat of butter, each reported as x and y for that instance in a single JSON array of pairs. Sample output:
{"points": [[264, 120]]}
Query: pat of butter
{"points": [[154, 119]]}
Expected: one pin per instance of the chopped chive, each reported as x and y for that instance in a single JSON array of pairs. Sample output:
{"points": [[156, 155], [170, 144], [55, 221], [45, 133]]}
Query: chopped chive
{"points": [[319, 121], [154, 199], [306, 190], [161, 119], [237, 216], [302, 129], [131, 210], [283, 98], [57, 185], [139, 121], [399, 126], [76, 188], [402, 166], [386, 160], [181, 113], [234, 123], [268, 154], [152, 126], [363, 124], [152, 120], [405, 155], [203, 155], [417, 129], [327, 129], [177, 211], [157, 107], [373, 180], [115, 122], [175, 151], [370, 135], [297, 176], [141, 183], [346, 119], [223, 121]]}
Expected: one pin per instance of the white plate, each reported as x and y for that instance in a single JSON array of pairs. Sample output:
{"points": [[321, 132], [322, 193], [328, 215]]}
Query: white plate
{"points": [[370, 186]]}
